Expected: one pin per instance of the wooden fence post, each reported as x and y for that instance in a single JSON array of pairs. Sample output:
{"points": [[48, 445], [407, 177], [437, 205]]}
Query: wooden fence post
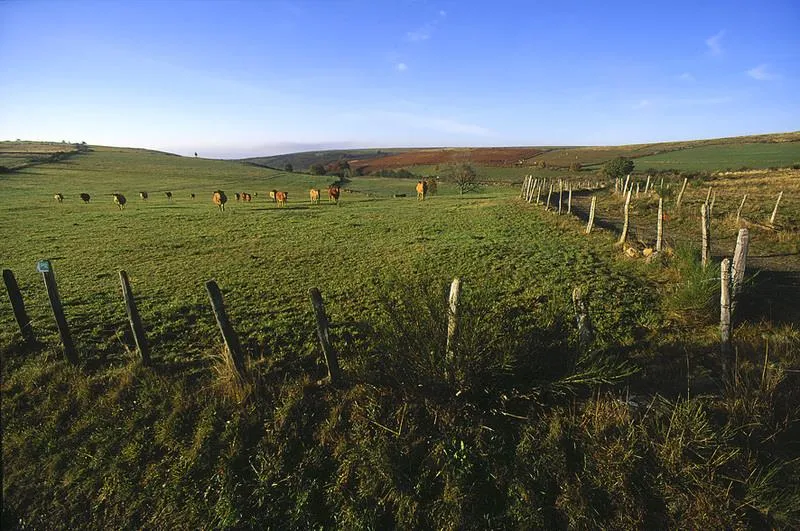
{"points": [[637, 190], [705, 227], [739, 212], [591, 215], [331, 359], [585, 332], [569, 201], [524, 188], [739, 265], [547, 207], [680, 194], [624, 234], [711, 206], [451, 368], [625, 188], [46, 269], [660, 231], [229, 336], [725, 315], [18, 305], [708, 195], [661, 186], [133, 318], [560, 195], [534, 182], [775, 210], [647, 184]]}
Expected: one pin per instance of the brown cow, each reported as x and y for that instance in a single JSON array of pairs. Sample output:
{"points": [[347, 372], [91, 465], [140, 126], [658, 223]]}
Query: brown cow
{"points": [[237, 196], [246, 197], [422, 190], [432, 185], [219, 198], [333, 193], [85, 197], [59, 198], [191, 195], [314, 194], [272, 195], [119, 200], [281, 198], [143, 195]]}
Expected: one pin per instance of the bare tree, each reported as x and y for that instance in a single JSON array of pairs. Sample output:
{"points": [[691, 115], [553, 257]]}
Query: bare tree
{"points": [[463, 175]]}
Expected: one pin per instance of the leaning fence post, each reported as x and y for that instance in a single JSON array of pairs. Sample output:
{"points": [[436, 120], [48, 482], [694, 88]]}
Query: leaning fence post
{"points": [[585, 332], [547, 207], [18, 305], [775, 210], [331, 360], [133, 318], [741, 205], [569, 200], [725, 315], [624, 234], [660, 231], [739, 265], [539, 191], [46, 269], [680, 194], [647, 184], [705, 227], [524, 186], [591, 215], [560, 195], [228, 334], [452, 330]]}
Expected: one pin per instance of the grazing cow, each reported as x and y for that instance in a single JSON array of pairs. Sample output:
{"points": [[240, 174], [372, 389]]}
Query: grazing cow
{"points": [[314, 194], [272, 195], [119, 200], [143, 195], [85, 197], [246, 197], [238, 196], [191, 195], [333, 193], [422, 190], [432, 184], [59, 198], [219, 198], [281, 198], [169, 195]]}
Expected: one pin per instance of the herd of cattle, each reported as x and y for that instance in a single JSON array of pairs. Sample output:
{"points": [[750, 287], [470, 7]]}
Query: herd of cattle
{"points": [[219, 198], [424, 187]]}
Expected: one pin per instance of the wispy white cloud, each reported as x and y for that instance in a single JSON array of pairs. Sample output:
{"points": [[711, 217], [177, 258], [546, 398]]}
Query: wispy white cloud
{"points": [[442, 13], [641, 104], [401, 67], [714, 43], [762, 73], [422, 34], [686, 76]]}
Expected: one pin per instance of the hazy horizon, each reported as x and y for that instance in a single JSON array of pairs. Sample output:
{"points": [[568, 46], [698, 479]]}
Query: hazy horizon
{"points": [[244, 79]]}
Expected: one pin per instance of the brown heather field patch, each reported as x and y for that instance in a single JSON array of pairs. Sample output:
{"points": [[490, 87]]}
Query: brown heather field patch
{"points": [[483, 156]]}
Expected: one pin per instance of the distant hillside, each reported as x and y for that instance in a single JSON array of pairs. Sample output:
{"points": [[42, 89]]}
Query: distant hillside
{"points": [[302, 161], [373, 160]]}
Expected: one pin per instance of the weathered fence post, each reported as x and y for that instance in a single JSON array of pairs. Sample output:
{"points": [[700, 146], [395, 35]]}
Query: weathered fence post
{"points": [[708, 195], [524, 188], [705, 252], [637, 190], [647, 185], [775, 210], [560, 195], [539, 192], [229, 336], [660, 230], [534, 182], [452, 330], [625, 188], [331, 359], [739, 212], [591, 215], [711, 206], [624, 234], [547, 207], [585, 332], [18, 305], [725, 315], [569, 200], [739, 265], [680, 194], [46, 269], [133, 318]]}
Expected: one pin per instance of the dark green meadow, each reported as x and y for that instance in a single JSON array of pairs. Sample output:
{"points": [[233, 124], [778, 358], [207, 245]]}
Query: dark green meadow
{"points": [[538, 431]]}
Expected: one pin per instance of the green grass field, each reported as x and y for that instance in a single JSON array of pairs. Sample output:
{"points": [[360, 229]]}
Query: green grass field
{"points": [[733, 156], [536, 429]]}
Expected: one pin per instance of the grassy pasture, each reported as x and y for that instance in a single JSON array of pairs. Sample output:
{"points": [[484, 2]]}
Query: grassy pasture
{"points": [[731, 156], [110, 443]]}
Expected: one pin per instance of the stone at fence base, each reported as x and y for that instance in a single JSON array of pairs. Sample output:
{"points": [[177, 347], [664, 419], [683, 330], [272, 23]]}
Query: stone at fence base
{"points": [[647, 251], [631, 251]]}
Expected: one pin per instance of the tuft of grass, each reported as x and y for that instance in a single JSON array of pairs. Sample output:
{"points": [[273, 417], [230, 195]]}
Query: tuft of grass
{"points": [[697, 288]]}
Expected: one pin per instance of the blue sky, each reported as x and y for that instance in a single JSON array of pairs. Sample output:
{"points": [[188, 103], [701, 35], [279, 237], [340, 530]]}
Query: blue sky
{"points": [[229, 79]]}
